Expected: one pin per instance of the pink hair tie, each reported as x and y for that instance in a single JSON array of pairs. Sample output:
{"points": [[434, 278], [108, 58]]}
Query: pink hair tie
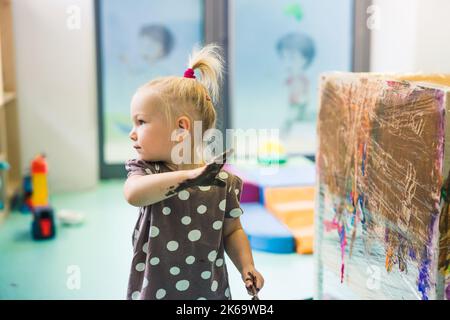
{"points": [[189, 73]]}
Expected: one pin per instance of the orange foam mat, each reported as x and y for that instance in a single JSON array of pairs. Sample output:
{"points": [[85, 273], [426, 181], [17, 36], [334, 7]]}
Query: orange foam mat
{"points": [[304, 239], [294, 206], [288, 194]]}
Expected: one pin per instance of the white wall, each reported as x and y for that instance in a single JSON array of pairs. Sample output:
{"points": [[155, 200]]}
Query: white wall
{"points": [[413, 36], [56, 87], [433, 32]]}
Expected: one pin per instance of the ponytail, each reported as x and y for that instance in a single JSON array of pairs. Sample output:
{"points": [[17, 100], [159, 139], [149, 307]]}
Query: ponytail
{"points": [[208, 60]]}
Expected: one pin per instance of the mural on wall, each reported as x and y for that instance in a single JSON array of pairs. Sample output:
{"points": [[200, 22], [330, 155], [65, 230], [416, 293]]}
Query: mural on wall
{"points": [[155, 43], [382, 220], [138, 43], [297, 51], [279, 50]]}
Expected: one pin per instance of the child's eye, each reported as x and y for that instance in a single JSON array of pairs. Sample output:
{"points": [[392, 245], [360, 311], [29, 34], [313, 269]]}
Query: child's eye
{"points": [[140, 122]]}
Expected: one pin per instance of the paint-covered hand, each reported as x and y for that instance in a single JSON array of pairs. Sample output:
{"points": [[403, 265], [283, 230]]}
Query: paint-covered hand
{"points": [[206, 175], [253, 280]]}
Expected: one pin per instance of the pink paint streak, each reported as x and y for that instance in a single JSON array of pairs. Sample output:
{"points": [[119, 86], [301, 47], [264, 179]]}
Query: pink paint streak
{"points": [[334, 225]]}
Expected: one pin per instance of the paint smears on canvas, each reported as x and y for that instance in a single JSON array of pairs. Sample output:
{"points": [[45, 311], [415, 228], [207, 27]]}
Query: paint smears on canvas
{"points": [[380, 162]]}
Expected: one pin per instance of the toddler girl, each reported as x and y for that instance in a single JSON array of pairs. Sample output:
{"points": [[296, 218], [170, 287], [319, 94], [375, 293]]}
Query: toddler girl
{"points": [[188, 212]]}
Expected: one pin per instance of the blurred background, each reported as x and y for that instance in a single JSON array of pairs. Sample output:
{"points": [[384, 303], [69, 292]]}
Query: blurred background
{"points": [[69, 69]]}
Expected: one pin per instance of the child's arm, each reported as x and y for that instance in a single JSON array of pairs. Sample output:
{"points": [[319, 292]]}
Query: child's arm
{"points": [[238, 249], [141, 191], [144, 190], [237, 244]]}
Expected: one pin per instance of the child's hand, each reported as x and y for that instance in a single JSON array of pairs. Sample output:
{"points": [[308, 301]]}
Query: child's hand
{"points": [[253, 280], [206, 175], [195, 173]]}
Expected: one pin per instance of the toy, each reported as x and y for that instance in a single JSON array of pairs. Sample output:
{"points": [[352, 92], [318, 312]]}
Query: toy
{"points": [[43, 225], [70, 217], [27, 192], [39, 170], [271, 153], [21, 201]]}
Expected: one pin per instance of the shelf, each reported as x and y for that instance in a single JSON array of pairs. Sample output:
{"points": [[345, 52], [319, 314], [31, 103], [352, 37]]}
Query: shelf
{"points": [[13, 186], [8, 96], [9, 120]]}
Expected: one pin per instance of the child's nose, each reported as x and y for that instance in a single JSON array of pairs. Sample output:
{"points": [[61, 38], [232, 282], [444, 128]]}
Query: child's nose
{"points": [[132, 135]]}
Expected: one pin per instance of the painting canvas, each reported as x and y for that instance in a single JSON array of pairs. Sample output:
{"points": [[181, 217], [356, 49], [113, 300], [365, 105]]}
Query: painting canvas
{"points": [[278, 50], [138, 42], [382, 196]]}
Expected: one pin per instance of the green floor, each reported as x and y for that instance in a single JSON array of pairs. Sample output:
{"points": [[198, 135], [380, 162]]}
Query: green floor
{"points": [[100, 251]]}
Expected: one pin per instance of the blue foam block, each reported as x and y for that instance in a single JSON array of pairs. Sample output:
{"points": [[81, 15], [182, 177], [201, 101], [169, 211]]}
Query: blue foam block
{"points": [[264, 231], [298, 171], [284, 176]]}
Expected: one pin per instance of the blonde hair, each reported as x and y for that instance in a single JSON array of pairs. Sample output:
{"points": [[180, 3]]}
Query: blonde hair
{"points": [[193, 97]]}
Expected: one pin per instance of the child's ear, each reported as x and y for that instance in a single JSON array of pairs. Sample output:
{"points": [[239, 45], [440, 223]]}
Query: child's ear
{"points": [[184, 123]]}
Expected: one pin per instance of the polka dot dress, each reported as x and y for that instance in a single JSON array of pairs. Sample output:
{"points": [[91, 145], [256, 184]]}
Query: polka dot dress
{"points": [[178, 248]]}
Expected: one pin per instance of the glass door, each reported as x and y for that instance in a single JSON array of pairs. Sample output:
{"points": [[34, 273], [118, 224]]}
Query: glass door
{"points": [[137, 41]]}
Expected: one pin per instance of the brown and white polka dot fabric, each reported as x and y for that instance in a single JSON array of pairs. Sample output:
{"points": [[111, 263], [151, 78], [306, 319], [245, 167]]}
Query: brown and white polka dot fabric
{"points": [[178, 247]]}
